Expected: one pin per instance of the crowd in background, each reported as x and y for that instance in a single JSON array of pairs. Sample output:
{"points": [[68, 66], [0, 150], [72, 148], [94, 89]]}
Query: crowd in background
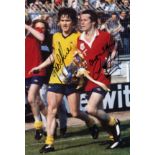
{"points": [[113, 16], [52, 6], [118, 27]]}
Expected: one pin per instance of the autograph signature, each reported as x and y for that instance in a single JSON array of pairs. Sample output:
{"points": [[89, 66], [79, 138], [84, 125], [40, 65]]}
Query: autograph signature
{"points": [[61, 57]]}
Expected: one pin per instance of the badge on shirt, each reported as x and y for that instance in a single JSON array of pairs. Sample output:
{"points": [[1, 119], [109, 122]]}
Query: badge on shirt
{"points": [[82, 46]]}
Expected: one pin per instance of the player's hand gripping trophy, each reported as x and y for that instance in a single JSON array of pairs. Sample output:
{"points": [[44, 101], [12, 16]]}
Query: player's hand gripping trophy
{"points": [[76, 72]]}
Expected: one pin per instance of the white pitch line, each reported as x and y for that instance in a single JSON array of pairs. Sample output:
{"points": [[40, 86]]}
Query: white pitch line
{"points": [[64, 140], [71, 139]]}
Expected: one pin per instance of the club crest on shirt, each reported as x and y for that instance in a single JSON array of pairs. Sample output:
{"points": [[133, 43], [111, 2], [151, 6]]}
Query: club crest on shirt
{"points": [[82, 46]]}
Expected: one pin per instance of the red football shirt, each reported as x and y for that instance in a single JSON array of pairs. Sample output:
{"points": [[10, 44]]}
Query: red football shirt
{"points": [[95, 54], [32, 55]]}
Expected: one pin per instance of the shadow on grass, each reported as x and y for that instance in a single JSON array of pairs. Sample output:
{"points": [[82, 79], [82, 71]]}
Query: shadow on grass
{"points": [[81, 132], [125, 142], [79, 145], [86, 131], [125, 126]]}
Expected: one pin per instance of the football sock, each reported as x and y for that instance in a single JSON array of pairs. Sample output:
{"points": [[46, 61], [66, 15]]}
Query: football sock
{"points": [[49, 140], [111, 137], [85, 117], [105, 118], [38, 124], [37, 118], [44, 120], [112, 121]]}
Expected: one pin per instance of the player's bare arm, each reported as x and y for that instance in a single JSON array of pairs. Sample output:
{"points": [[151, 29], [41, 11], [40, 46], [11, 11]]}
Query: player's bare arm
{"points": [[43, 65], [35, 33]]}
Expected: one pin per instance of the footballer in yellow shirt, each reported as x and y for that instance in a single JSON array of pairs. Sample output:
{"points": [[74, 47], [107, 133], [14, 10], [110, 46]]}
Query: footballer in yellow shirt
{"points": [[65, 46], [64, 49]]}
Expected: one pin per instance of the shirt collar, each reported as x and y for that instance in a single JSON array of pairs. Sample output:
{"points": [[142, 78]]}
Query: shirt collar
{"points": [[82, 37]]}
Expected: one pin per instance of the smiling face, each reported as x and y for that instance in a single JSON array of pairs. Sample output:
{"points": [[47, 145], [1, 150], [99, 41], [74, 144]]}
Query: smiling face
{"points": [[66, 24]]}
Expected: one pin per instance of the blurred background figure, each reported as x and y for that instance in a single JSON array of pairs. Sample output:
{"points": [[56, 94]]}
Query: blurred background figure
{"points": [[110, 6], [113, 26], [125, 34]]}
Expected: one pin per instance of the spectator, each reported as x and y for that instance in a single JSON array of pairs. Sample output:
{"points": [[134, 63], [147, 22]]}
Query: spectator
{"points": [[123, 4], [125, 34], [113, 26], [101, 21], [86, 5], [126, 4], [111, 6], [73, 4], [53, 25], [38, 2], [100, 4], [92, 3]]}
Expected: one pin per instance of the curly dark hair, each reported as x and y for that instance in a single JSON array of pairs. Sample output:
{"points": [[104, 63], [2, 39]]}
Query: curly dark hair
{"points": [[70, 12]]}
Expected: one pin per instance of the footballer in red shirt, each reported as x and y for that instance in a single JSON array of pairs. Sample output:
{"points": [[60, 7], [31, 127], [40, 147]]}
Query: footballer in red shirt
{"points": [[33, 81], [96, 47]]}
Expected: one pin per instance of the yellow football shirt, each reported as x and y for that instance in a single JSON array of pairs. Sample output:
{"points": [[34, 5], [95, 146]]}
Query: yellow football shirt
{"points": [[63, 52]]}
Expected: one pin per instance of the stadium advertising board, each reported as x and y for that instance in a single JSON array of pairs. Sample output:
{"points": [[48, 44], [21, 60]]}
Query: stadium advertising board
{"points": [[118, 99]]}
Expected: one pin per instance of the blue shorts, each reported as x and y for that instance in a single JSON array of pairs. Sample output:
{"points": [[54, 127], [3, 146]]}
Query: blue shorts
{"points": [[98, 90], [34, 80], [63, 88]]}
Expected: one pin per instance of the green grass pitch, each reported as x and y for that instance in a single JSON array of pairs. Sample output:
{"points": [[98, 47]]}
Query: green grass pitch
{"points": [[79, 142]]}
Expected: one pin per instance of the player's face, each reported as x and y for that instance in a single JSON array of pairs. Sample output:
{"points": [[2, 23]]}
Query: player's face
{"points": [[40, 25], [66, 24], [85, 22]]}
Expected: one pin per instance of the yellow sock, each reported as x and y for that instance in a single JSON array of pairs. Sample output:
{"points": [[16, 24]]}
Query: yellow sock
{"points": [[112, 121], [38, 124], [111, 137], [49, 140]]}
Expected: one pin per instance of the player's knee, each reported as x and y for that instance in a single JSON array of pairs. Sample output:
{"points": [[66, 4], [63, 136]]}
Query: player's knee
{"points": [[31, 100], [91, 110], [51, 111]]}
